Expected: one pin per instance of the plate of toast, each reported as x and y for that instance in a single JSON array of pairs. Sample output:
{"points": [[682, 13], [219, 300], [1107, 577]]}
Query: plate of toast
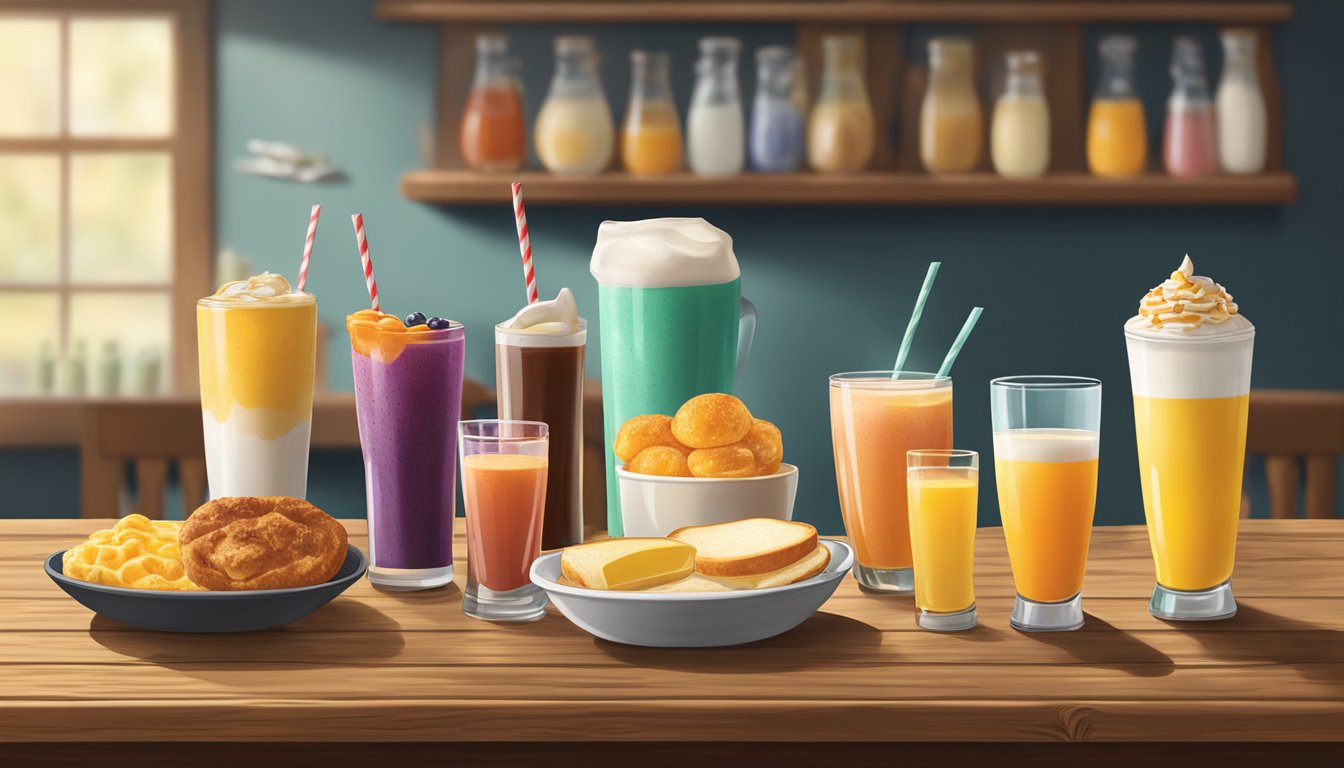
{"points": [[235, 565], [701, 586]]}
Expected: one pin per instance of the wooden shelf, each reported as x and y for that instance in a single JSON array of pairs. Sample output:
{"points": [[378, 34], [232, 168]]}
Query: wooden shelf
{"points": [[835, 11], [879, 189]]}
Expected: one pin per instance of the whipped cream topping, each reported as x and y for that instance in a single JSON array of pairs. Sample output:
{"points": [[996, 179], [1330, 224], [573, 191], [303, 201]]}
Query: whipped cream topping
{"points": [[663, 253], [557, 316], [267, 287], [1186, 304]]}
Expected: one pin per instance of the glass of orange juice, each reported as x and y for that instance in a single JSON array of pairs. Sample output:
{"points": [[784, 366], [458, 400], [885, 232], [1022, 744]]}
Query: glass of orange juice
{"points": [[504, 466], [942, 486], [876, 417], [1046, 435]]}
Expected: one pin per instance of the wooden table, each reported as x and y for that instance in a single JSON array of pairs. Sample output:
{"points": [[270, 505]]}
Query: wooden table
{"points": [[374, 667]]}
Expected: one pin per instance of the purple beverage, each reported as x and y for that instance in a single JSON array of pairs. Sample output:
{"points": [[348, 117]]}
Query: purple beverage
{"points": [[408, 394]]}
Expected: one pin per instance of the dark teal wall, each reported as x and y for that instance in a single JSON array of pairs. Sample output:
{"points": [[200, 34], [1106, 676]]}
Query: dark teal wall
{"points": [[833, 286]]}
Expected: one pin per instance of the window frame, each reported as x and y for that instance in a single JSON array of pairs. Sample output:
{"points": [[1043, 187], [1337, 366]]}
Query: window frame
{"points": [[189, 145]]}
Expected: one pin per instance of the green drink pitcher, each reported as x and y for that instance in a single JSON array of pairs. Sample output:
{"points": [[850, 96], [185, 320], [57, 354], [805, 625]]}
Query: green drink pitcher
{"points": [[674, 323]]}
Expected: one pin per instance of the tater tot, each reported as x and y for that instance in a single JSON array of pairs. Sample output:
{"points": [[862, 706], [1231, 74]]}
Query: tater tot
{"points": [[645, 432], [712, 420], [659, 460], [728, 461]]}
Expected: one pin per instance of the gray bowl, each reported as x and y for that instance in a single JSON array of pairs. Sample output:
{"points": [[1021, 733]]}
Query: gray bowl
{"points": [[692, 619], [242, 611]]}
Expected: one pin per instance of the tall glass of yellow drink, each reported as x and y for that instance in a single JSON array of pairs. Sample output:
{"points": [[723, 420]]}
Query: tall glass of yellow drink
{"points": [[1190, 369], [942, 486], [1046, 435], [876, 417]]}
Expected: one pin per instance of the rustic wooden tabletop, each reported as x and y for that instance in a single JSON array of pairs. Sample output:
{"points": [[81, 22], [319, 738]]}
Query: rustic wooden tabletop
{"points": [[375, 668]]}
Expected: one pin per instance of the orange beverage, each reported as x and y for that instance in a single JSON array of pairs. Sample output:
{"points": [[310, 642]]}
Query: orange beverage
{"points": [[491, 137], [1117, 138], [875, 420], [1047, 482], [505, 495], [651, 142]]}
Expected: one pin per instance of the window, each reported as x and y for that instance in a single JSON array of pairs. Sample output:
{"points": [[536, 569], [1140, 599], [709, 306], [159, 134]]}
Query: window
{"points": [[104, 189]]}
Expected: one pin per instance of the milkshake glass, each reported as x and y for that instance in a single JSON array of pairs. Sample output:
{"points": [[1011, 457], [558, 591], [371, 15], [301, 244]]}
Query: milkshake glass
{"points": [[539, 356], [257, 344], [1190, 369], [408, 396], [674, 323]]}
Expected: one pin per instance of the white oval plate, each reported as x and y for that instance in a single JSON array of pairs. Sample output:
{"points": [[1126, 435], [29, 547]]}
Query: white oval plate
{"points": [[692, 619]]}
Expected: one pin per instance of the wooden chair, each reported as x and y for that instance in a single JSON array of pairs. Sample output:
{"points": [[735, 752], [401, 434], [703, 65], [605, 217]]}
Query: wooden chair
{"points": [[1291, 428], [154, 435]]}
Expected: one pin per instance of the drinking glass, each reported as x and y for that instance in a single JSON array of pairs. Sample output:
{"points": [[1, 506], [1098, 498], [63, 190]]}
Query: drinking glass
{"points": [[942, 486], [876, 417], [1046, 433], [504, 466]]}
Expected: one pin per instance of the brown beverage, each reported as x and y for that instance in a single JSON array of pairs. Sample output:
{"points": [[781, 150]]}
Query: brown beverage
{"points": [[539, 374]]}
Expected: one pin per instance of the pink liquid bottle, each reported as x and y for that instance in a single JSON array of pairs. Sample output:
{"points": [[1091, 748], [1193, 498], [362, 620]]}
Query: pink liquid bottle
{"points": [[1190, 140]]}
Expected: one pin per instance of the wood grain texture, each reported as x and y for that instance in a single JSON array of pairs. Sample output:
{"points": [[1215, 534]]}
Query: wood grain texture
{"points": [[514, 11], [876, 189], [376, 666]]}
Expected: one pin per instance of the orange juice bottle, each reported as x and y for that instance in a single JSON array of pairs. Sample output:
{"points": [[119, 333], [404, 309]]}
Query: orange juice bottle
{"points": [[491, 134], [651, 136], [875, 420], [1117, 137]]}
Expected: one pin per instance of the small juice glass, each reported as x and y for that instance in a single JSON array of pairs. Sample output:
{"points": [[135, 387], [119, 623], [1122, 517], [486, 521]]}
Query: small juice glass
{"points": [[504, 466], [942, 486]]}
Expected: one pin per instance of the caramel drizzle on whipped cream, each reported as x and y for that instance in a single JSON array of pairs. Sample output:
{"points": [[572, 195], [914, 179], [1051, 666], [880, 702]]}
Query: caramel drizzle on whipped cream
{"points": [[1187, 300]]}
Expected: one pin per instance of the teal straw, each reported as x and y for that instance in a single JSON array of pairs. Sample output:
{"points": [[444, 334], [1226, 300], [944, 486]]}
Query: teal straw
{"points": [[914, 319], [951, 358]]}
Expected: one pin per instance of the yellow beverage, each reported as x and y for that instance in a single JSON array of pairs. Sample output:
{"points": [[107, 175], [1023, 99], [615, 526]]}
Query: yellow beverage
{"points": [[1047, 484], [874, 422], [1192, 488], [1117, 138], [942, 536], [651, 143]]}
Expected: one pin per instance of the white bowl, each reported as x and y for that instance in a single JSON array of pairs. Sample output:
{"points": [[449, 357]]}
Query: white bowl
{"points": [[652, 505], [692, 619]]}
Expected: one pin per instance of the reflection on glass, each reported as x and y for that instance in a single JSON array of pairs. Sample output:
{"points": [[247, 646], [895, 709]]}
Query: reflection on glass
{"points": [[121, 77], [138, 322], [30, 196], [121, 217], [30, 69], [30, 321]]}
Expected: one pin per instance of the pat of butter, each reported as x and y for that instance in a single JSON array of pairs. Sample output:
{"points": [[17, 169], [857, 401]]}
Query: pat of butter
{"points": [[659, 562]]}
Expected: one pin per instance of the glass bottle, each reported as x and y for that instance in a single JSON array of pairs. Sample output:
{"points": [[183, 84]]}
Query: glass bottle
{"points": [[776, 119], [1190, 139], [1019, 135], [1242, 122], [491, 136], [716, 145], [1117, 138], [840, 131], [951, 127], [651, 137], [574, 132]]}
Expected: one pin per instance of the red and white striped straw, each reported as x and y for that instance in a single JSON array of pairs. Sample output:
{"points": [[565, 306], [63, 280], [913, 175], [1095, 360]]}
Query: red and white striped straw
{"points": [[524, 243], [368, 262], [308, 246]]}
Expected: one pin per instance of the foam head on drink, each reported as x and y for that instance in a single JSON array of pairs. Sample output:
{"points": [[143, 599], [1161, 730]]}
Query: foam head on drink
{"points": [[1190, 369], [539, 359], [257, 346], [670, 301], [408, 396]]}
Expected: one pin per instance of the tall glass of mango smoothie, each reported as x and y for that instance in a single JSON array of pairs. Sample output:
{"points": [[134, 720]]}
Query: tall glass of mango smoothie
{"points": [[1190, 369], [1046, 435], [257, 342], [876, 418]]}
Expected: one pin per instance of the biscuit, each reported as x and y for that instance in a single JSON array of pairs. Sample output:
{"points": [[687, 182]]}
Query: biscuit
{"points": [[261, 542], [712, 420], [660, 460], [643, 432], [767, 444], [728, 461]]}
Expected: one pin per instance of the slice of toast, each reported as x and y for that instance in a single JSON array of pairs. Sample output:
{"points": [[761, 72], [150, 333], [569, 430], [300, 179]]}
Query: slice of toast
{"points": [[693, 583], [812, 563], [747, 547], [633, 563]]}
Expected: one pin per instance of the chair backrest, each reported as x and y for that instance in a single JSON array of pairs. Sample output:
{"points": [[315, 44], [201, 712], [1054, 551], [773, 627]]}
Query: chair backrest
{"points": [[150, 435], [1293, 429]]}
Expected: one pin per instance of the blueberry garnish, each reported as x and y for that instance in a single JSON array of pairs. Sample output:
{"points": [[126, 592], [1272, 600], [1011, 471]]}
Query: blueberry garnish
{"points": [[415, 318], [439, 324]]}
